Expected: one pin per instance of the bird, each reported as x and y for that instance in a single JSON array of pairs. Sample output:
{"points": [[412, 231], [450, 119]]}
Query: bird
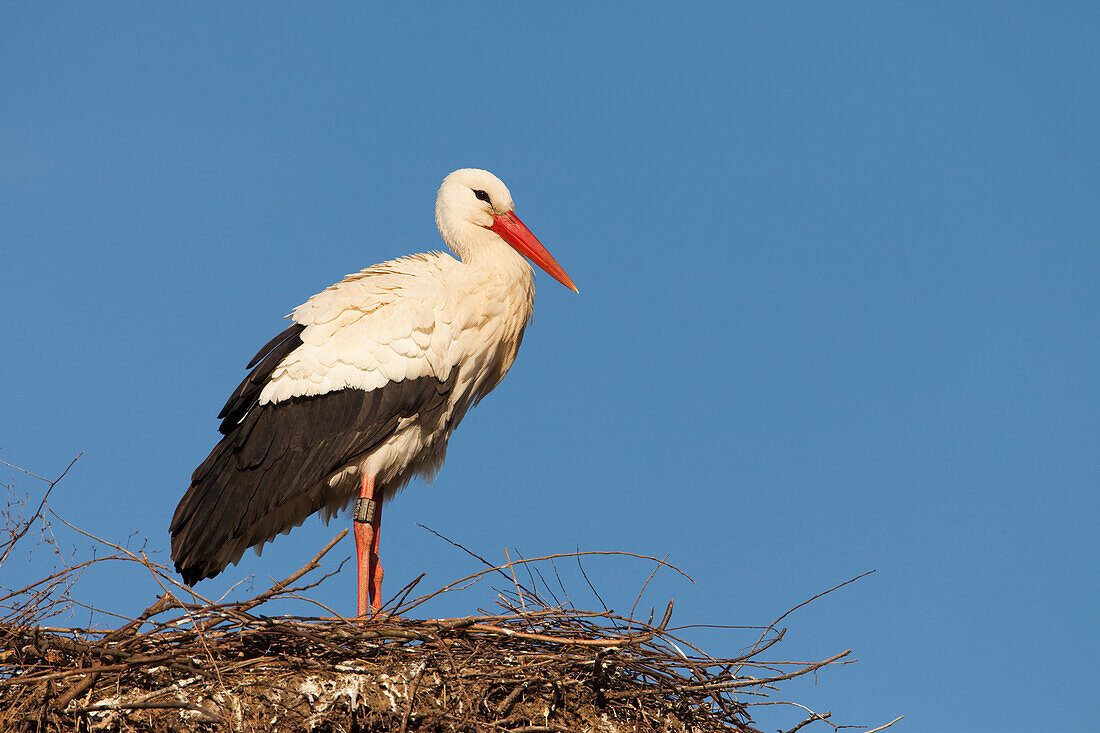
{"points": [[362, 391]]}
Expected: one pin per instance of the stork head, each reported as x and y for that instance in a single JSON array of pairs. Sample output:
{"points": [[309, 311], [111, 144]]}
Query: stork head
{"points": [[474, 208]]}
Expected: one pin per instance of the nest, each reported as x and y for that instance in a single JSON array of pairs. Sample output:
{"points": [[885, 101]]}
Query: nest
{"points": [[189, 664]]}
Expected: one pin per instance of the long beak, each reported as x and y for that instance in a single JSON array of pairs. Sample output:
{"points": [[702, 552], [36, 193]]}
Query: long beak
{"points": [[515, 232]]}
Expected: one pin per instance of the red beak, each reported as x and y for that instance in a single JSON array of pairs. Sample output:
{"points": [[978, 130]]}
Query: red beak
{"points": [[514, 232]]}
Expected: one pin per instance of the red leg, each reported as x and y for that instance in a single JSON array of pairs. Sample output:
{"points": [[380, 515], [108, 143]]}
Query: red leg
{"points": [[365, 542], [375, 566]]}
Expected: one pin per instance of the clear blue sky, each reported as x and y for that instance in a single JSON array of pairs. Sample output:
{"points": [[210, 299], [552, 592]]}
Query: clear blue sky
{"points": [[839, 275]]}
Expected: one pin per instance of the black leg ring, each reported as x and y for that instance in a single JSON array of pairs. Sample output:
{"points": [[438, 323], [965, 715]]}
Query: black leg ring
{"points": [[364, 510]]}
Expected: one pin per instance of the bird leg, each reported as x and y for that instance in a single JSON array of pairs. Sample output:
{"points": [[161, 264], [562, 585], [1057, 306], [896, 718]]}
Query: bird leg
{"points": [[368, 520], [375, 565]]}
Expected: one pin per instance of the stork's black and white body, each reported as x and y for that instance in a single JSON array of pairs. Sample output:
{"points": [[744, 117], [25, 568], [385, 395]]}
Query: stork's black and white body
{"points": [[362, 391]]}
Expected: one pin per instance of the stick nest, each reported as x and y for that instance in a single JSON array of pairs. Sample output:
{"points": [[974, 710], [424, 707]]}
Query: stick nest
{"points": [[536, 665]]}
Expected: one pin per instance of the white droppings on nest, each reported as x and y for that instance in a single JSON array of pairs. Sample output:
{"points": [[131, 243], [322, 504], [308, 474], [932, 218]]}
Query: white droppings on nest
{"points": [[353, 688], [357, 687], [310, 689], [230, 700], [193, 715], [322, 694], [104, 719], [328, 691], [105, 702], [607, 725]]}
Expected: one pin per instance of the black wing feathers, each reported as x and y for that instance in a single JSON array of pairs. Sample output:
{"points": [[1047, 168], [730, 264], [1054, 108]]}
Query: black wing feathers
{"points": [[292, 330], [245, 396]]}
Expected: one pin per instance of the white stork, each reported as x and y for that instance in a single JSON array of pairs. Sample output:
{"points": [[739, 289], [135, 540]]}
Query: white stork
{"points": [[364, 389]]}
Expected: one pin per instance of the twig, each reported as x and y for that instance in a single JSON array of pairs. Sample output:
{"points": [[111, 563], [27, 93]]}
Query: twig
{"points": [[884, 727], [519, 590], [27, 524], [813, 717], [309, 566], [773, 624]]}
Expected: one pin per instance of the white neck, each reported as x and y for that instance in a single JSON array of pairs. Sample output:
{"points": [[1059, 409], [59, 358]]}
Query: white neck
{"points": [[483, 249]]}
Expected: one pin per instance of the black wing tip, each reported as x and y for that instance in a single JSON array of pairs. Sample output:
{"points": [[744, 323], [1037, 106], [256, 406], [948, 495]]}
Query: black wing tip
{"points": [[194, 573], [246, 394], [193, 567], [290, 332], [190, 575]]}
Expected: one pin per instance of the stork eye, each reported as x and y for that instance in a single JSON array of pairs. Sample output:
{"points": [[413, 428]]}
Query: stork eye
{"points": [[482, 195]]}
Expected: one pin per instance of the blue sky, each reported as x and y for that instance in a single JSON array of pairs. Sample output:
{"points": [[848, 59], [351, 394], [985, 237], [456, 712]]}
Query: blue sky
{"points": [[838, 270]]}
